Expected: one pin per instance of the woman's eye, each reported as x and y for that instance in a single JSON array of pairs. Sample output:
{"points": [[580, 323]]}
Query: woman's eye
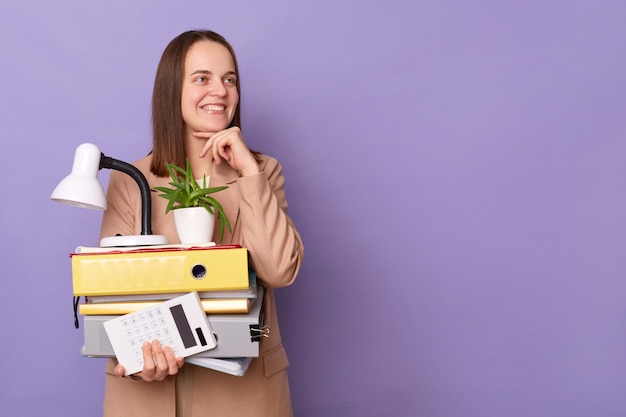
{"points": [[229, 81], [201, 79]]}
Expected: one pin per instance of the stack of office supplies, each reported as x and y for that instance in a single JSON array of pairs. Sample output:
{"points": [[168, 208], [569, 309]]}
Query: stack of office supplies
{"points": [[121, 281]]}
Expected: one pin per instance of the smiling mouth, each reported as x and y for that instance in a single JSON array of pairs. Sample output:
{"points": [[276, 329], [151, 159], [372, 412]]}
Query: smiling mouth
{"points": [[214, 107]]}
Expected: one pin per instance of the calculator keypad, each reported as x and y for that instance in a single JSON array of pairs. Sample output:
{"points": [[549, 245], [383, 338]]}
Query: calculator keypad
{"points": [[147, 326]]}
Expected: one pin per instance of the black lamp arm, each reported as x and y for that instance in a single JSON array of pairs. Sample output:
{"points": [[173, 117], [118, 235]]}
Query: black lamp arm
{"points": [[142, 182]]}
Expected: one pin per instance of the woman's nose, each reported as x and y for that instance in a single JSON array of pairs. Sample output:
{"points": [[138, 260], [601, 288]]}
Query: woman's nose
{"points": [[217, 89]]}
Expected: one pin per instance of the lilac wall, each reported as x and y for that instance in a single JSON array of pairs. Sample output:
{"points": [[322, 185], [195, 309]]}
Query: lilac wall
{"points": [[456, 170]]}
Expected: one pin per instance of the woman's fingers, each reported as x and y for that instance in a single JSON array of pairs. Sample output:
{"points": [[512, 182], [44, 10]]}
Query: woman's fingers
{"points": [[158, 362]]}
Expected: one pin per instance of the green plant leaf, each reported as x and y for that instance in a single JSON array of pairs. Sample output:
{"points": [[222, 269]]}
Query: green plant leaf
{"points": [[186, 192]]}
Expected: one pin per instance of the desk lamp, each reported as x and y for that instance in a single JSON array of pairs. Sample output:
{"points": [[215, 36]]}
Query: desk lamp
{"points": [[82, 189]]}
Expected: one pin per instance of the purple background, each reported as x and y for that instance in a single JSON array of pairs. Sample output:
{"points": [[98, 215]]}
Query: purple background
{"points": [[456, 170]]}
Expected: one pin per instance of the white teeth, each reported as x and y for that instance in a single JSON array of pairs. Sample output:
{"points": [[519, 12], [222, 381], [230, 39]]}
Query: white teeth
{"points": [[214, 107]]}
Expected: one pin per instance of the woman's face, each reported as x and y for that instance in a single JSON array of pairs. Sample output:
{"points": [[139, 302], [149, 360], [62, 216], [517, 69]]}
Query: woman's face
{"points": [[209, 94]]}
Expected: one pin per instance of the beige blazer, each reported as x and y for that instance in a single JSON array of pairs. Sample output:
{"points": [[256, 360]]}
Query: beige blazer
{"points": [[257, 210]]}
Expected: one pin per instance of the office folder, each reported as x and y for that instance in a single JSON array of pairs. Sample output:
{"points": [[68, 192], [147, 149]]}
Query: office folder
{"points": [[233, 366], [150, 271], [237, 335], [213, 302], [250, 292], [213, 306]]}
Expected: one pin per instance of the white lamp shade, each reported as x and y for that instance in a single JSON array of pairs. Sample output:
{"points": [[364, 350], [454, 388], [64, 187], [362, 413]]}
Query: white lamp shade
{"points": [[81, 188]]}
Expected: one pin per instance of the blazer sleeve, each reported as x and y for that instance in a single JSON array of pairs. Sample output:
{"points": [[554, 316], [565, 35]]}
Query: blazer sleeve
{"points": [[275, 246]]}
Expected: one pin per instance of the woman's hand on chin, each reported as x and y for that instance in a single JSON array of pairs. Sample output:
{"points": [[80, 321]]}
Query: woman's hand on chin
{"points": [[228, 145]]}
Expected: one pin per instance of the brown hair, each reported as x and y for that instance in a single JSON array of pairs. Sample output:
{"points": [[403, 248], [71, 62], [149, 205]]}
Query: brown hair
{"points": [[168, 127]]}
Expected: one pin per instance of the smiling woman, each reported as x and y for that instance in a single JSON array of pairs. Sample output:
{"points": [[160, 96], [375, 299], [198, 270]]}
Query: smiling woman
{"points": [[196, 118], [176, 64]]}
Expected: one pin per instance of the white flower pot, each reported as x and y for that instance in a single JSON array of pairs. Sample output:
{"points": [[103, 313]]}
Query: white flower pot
{"points": [[194, 225]]}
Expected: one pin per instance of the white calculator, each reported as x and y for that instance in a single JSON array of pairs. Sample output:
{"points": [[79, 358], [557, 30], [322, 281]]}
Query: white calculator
{"points": [[179, 323]]}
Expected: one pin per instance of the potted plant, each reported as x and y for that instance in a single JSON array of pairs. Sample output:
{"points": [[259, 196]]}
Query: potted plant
{"points": [[193, 204]]}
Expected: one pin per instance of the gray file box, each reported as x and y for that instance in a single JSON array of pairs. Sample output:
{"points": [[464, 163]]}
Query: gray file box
{"points": [[238, 335]]}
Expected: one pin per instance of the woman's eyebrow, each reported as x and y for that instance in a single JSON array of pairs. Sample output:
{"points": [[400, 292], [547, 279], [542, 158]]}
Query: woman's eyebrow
{"points": [[207, 72], [201, 72]]}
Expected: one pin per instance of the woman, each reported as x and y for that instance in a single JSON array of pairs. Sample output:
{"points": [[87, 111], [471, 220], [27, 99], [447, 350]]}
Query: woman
{"points": [[195, 115]]}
